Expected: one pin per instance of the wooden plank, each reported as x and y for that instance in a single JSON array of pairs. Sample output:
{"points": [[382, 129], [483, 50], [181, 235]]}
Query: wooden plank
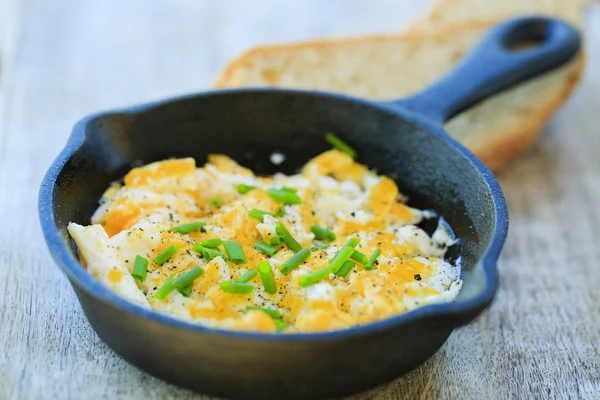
{"points": [[69, 58]]}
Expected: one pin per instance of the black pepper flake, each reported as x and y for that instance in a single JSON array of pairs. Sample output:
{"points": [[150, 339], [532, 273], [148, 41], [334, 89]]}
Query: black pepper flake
{"points": [[353, 214], [417, 277], [202, 230]]}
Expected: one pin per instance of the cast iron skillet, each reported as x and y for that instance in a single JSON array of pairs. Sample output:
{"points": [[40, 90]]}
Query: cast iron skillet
{"points": [[404, 139]]}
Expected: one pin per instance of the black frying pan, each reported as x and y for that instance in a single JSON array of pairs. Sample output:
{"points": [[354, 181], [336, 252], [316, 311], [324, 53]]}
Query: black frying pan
{"points": [[403, 139]]}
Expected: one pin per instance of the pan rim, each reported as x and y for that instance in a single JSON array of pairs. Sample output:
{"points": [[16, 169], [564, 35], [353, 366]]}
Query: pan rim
{"points": [[80, 277]]}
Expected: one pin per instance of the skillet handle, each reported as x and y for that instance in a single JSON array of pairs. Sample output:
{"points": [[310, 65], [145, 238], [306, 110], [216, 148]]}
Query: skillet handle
{"points": [[511, 53]]}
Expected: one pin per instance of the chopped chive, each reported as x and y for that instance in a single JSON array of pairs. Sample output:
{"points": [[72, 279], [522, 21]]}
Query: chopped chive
{"points": [[166, 288], [259, 214], [280, 211], [315, 276], [360, 257], [166, 255], [288, 239], [216, 202], [322, 233], [236, 287], [284, 195], [186, 291], [275, 314], [243, 189], [246, 277], [294, 261], [276, 241], [346, 268], [207, 252], [369, 265], [343, 255], [266, 274], [187, 228], [353, 242], [188, 277], [212, 243], [281, 325], [140, 267], [235, 252], [340, 145], [263, 248]]}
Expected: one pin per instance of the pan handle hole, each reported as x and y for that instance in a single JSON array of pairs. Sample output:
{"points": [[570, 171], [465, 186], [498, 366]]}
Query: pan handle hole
{"points": [[526, 37]]}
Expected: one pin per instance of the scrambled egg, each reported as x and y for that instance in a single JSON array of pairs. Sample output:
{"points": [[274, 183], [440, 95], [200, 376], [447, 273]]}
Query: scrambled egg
{"points": [[136, 219]]}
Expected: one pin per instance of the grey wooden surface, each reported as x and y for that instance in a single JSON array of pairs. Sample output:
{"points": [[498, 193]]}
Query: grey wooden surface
{"points": [[67, 58]]}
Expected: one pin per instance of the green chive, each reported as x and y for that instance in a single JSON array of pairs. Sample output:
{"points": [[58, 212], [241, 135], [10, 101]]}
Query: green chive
{"points": [[166, 288], [288, 239], [212, 243], [243, 189], [188, 277], [186, 291], [236, 287], [187, 228], [346, 268], [259, 214], [294, 261], [276, 241], [140, 267], [216, 202], [275, 314], [266, 274], [207, 252], [369, 265], [353, 242], [343, 255], [235, 252], [360, 257], [246, 277], [315, 276], [281, 325], [280, 211], [340, 145], [284, 195], [322, 233], [166, 255], [263, 248]]}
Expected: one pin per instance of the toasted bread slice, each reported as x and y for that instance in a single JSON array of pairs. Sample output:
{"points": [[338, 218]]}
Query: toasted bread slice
{"points": [[395, 66]]}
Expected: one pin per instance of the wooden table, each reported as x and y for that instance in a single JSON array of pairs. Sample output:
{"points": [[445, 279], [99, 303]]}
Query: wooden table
{"points": [[67, 58]]}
